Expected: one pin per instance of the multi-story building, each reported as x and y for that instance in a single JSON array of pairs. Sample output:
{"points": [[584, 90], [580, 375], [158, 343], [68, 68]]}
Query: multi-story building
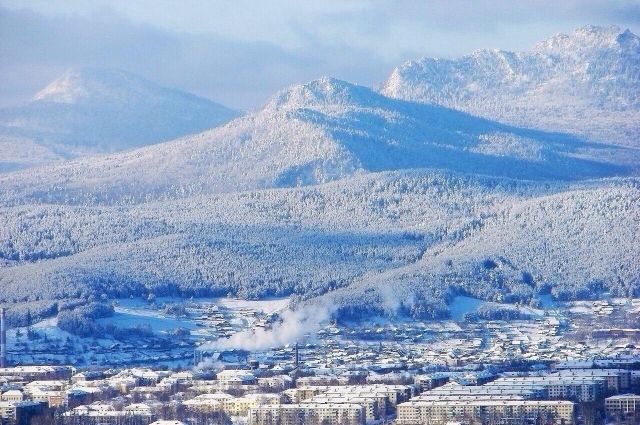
{"points": [[576, 388], [394, 393], [19, 412], [99, 413], [51, 398], [278, 382], [308, 414], [618, 380], [428, 382], [12, 395], [440, 412], [203, 405], [31, 373], [236, 378], [508, 390], [374, 406], [240, 406], [321, 380], [622, 404], [299, 394], [156, 391], [139, 409]]}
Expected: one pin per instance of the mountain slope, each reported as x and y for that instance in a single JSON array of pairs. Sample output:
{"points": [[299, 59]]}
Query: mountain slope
{"points": [[315, 133], [303, 240], [586, 83], [95, 110], [575, 244], [398, 242]]}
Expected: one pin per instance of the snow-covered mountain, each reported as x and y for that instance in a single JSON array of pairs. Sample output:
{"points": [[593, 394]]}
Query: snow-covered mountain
{"points": [[335, 192], [314, 133], [90, 111], [586, 83]]}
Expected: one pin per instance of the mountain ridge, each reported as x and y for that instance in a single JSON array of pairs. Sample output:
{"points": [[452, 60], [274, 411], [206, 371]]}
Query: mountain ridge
{"points": [[586, 83], [106, 85], [318, 132], [378, 239]]}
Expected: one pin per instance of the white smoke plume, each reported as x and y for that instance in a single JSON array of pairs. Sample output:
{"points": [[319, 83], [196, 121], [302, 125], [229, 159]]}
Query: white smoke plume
{"points": [[294, 325]]}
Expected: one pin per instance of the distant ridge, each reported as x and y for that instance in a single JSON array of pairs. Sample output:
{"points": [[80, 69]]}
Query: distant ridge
{"points": [[89, 111], [586, 83]]}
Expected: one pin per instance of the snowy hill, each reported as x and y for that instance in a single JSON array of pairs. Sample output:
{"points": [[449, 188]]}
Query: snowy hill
{"points": [[586, 83], [92, 111], [404, 240], [315, 133], [575, 244]]}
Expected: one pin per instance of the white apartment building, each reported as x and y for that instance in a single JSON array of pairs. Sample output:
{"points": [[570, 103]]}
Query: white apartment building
{"points": [[622, 404], [308, 414], [444, 411]]}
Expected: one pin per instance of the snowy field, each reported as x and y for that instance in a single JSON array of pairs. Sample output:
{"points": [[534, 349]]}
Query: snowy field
{"points": [[153, 328]]}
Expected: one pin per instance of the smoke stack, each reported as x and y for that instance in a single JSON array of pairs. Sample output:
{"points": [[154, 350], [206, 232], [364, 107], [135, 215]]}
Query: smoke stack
{"points": [[3, 339], [297, 356]]}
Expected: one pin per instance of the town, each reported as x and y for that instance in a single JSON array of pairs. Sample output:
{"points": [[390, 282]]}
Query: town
{"points": [[571, 364], [580, 392]]}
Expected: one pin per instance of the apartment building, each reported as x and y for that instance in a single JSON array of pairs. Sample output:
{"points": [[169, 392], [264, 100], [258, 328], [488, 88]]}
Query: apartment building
{"points": [[31, 373], [308, 414], [428, 382], [374, 406], [576, 388], [19, 412], [240, 406], [104, 414], [440, 412], [12, 395], [618, 380], [622, 404]]}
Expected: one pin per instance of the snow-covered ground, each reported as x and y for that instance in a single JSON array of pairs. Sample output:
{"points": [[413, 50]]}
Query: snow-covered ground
{"points": [[206, 319], [462, 305]]}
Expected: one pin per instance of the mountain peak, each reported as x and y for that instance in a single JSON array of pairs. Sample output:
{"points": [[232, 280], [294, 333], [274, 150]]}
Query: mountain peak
{"points": [[321, 92], [87, 85], [92, 110], [586, 38]]}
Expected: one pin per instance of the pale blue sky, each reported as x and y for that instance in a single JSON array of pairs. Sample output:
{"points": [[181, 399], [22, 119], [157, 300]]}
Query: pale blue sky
{"points": [[239, 52]]}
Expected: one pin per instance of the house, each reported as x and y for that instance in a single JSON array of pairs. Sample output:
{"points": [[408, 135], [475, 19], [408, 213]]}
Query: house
{"points": [[12, 395]]}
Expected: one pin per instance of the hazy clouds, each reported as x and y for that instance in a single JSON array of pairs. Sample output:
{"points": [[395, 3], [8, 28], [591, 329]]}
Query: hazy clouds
{"points": [[241, 52]]}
